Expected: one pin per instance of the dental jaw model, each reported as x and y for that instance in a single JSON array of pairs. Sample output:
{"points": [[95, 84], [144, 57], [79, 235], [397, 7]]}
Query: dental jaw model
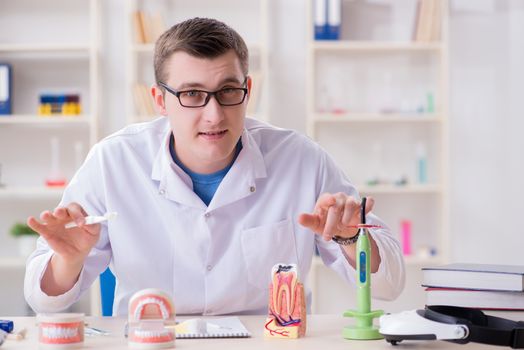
{"points": [[150, 311], [287, 306], [60, 331]]}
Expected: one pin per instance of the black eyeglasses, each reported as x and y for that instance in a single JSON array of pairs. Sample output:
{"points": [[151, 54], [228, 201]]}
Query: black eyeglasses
{"points": [[199, 98]]}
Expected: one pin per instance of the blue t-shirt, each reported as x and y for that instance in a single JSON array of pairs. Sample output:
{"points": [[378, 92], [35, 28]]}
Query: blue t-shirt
{"points": [[204, 185]]}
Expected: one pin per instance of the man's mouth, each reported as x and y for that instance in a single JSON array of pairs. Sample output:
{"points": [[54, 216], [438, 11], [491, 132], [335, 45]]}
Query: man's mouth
{"points": [[213, 133]]}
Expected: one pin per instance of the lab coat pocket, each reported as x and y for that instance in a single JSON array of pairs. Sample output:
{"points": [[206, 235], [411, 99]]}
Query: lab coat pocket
{"points": [[267, 245]]}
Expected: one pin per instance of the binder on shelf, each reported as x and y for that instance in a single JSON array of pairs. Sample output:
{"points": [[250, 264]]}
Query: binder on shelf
{"points": [[320, 19], [334, 19], [327, 19], [6, 89]]}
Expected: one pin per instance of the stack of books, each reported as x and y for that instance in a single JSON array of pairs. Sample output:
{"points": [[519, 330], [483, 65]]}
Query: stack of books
{"points": [[147, 27], [428, 22], [481, 286]]}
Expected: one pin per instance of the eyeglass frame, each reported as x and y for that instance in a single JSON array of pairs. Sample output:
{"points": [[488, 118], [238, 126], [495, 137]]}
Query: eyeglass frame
{"points": [[208, 94]]}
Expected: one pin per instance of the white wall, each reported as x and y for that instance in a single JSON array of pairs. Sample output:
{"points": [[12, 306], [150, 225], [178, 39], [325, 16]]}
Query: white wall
{"points": [[487, 161]]}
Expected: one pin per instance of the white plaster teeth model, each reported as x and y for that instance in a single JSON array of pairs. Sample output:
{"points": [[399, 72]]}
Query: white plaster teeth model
{"points": [[60, 331], [54, 332], [151, 302], [150, 311]]}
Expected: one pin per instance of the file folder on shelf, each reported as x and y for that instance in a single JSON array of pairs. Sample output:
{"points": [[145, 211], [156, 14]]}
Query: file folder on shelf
{"points": [[327, 19], [334, 19], [5, 88]]}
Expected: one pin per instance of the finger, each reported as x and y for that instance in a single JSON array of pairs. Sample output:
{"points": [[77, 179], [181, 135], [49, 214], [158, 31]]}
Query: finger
{"points": [[310, 221], [77, 213], [324, 202], [35, 225], [47, 217], [333, 218], [93, 229], [351, 215], [370, 203], [61, 213]]}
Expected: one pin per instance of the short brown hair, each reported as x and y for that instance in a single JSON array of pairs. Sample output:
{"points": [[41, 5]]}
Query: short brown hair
{"points": [[199, 37]]}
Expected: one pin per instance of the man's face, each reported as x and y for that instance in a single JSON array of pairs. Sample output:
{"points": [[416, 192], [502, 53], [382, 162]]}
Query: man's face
{"points": [[205, 137]]}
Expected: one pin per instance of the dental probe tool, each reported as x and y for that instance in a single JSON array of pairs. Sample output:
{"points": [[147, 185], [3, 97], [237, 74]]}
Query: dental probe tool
{"points": [[90, 220]]}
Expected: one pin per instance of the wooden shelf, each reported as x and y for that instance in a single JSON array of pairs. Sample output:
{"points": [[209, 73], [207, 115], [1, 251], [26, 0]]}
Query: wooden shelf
{"points": [[34, 119], [376, 118], [46, 48], [150, 47], [363, 46], [144, 118], [413, 260], [407, 189], [410, 260], [14, 262], [31, 192]]}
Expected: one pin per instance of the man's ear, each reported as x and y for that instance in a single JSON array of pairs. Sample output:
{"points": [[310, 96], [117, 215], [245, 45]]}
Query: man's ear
{"points": [[158, 99], [249, 85]]}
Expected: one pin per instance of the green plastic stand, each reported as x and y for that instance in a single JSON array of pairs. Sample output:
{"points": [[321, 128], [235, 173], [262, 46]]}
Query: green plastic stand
{"points": [[363, 328]]}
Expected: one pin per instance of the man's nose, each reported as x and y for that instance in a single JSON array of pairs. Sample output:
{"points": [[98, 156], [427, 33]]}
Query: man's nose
{"points": [[213, 111]]}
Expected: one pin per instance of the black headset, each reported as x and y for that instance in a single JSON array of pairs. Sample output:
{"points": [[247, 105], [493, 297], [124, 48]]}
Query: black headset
{"points": [[482, 328]]}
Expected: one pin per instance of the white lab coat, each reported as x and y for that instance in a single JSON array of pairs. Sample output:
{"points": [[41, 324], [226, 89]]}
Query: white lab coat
{"points": [[212, 259]]}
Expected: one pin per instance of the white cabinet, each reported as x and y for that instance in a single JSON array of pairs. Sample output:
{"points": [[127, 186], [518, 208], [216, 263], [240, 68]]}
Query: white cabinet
{"points": [[52, 48], [377, 101], [147, 19]]}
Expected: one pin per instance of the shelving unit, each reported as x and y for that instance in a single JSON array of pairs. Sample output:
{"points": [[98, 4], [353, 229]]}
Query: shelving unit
{"points": [[61, 58], [248, 18], [346, 128], [364, 94]]}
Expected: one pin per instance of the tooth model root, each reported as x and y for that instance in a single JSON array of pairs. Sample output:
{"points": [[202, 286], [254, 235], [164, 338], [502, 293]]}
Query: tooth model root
{"points": [[287, 311]]}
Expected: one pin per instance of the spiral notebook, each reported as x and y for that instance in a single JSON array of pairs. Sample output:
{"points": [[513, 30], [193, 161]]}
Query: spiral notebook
{"points": [[226, 327]]}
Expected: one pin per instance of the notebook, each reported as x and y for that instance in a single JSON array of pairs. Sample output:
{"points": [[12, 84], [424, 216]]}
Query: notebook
{"points": [[226, 327]]}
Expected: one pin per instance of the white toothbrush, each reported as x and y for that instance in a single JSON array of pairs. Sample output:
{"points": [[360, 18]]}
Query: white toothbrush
{"points": [[89, 220]]}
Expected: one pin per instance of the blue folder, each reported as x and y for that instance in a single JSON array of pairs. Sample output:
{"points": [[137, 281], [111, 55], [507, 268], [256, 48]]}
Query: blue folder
{"points": [[6, 89]]}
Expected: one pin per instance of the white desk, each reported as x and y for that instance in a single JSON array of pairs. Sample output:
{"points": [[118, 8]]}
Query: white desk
{"points": [[323, 333]]}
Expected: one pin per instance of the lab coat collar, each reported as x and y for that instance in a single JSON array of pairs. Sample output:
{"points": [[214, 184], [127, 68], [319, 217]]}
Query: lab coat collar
{"points": [[238, 183]]}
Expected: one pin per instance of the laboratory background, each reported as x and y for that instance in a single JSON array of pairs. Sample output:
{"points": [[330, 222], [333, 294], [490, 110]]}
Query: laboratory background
{"points": [[420, 102]]}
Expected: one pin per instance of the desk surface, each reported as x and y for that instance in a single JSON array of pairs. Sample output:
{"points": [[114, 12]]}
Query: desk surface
{"points": [[323, 332]]}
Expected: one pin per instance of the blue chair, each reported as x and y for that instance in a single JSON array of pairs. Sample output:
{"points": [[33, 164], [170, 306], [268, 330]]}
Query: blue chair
{"points": [[107, 292]]}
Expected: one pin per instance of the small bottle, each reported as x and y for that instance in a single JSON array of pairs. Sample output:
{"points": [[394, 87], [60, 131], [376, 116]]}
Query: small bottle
{"points": [[422, 171], [1, 183], [430, 108], [388, 102], [405, 236], [55, 177], [79, 154]]}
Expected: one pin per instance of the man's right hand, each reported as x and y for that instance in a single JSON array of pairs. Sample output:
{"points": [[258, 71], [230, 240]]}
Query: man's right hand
{"points": [[71, 246]]}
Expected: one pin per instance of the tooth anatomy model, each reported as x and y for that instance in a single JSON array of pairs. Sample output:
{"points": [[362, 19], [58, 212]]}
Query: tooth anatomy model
{"points": [[150, 311], [287, 306]]}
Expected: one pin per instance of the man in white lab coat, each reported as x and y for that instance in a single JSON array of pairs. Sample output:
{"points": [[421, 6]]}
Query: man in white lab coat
{"points": [[207, 199]]}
